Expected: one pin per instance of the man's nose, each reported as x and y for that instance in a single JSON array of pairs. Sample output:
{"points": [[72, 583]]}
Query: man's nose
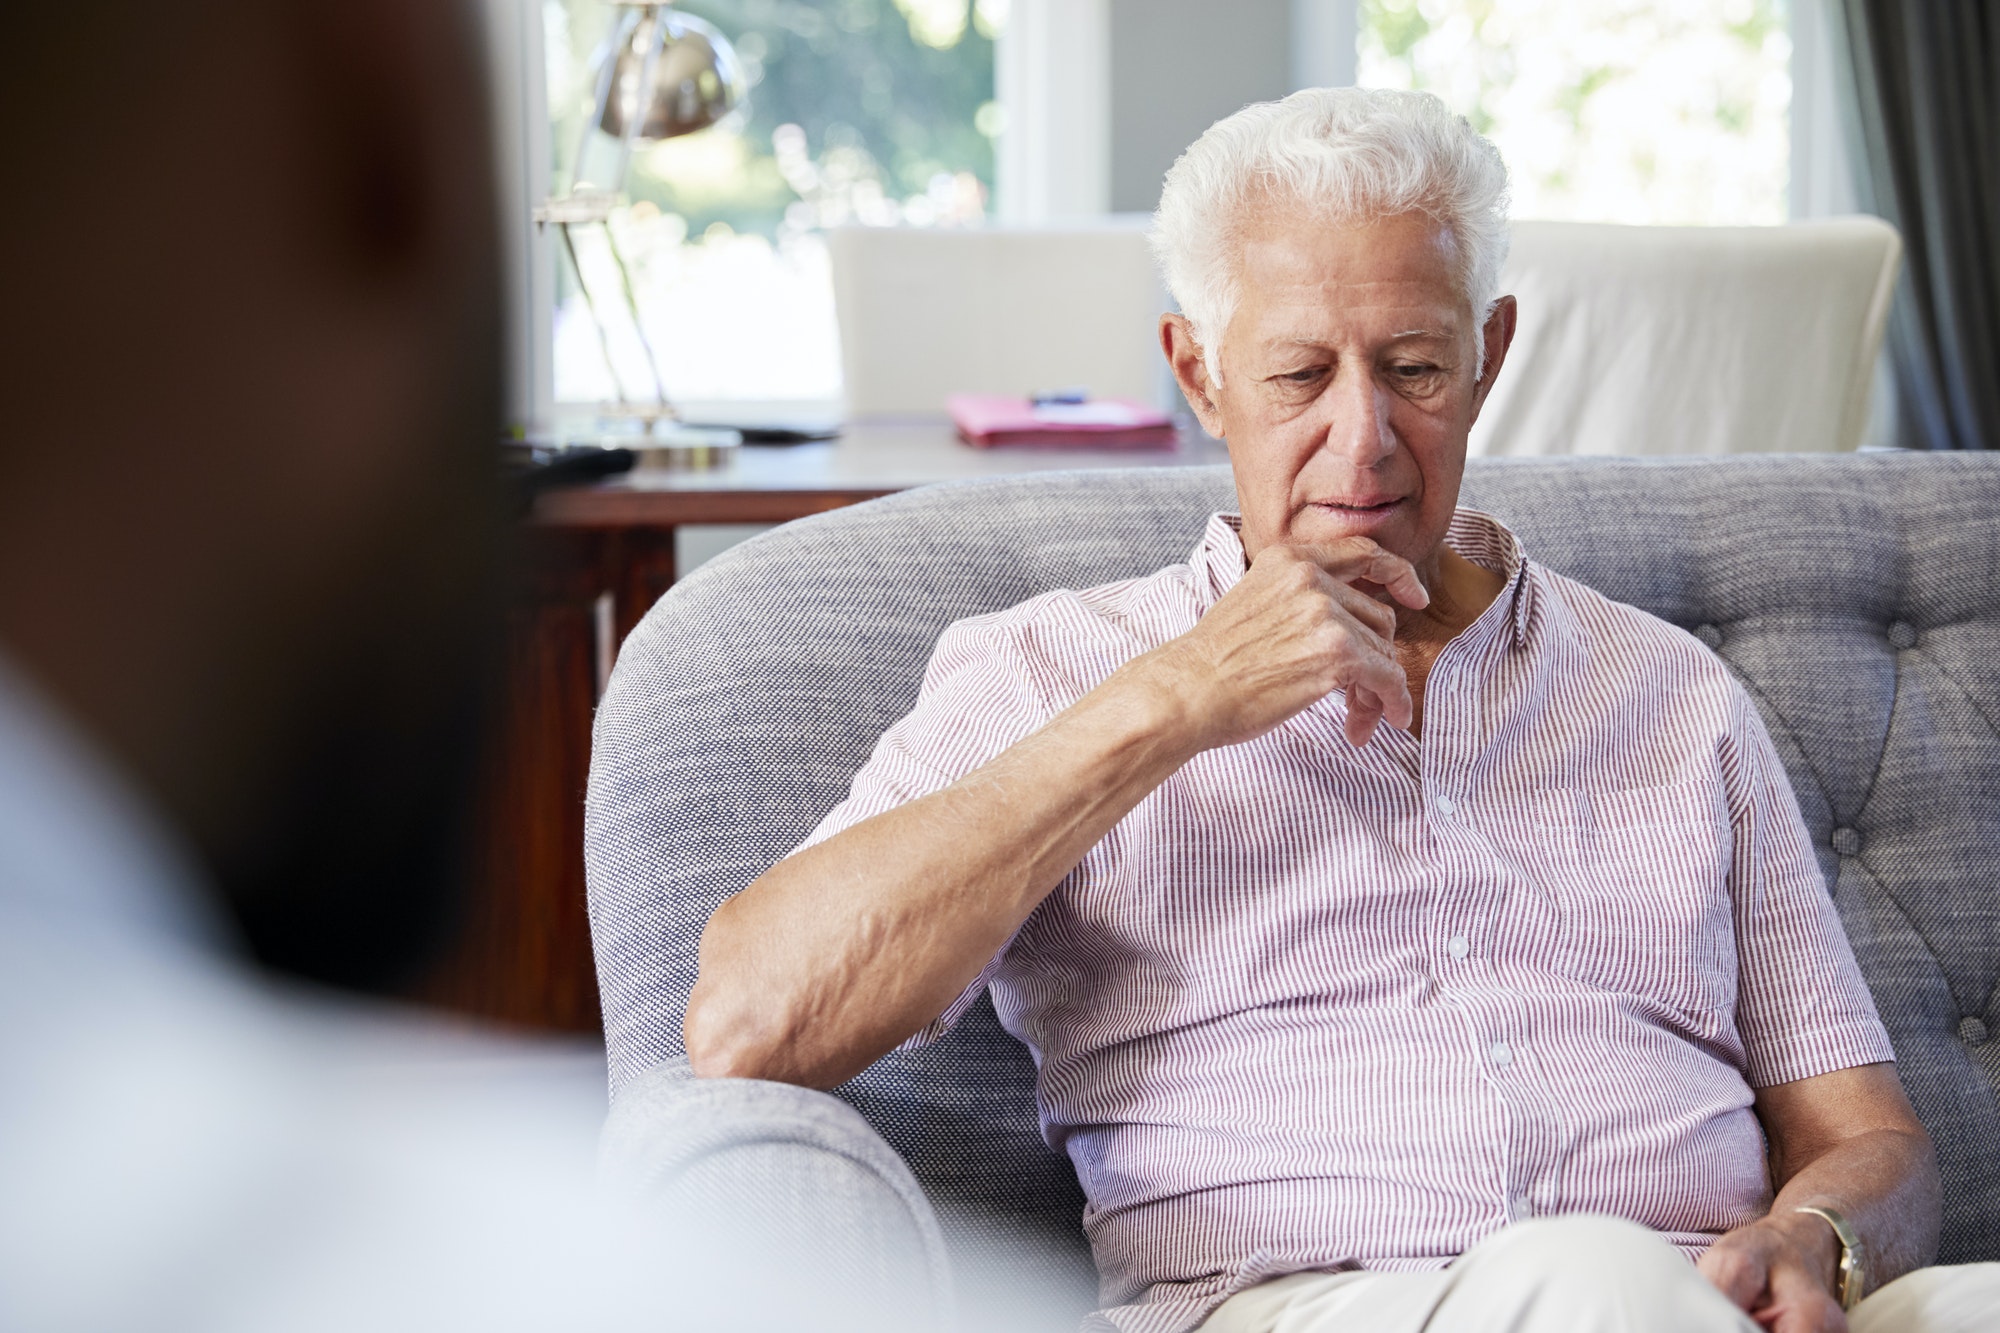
{"points": [[1358, 426]]}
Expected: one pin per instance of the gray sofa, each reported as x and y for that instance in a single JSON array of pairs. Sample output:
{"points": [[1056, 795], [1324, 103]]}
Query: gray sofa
{"points": [[1857, 597]]}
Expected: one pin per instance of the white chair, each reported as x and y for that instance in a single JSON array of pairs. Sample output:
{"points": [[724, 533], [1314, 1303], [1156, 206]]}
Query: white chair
{"points": [[928, 312], [1691, 340]]}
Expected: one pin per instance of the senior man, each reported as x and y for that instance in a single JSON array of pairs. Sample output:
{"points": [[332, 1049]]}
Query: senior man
{"points": [[1480, 1019]]}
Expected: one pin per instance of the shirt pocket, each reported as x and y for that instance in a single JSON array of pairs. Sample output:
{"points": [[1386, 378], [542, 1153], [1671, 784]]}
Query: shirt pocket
{"points": [[1639, 879]]}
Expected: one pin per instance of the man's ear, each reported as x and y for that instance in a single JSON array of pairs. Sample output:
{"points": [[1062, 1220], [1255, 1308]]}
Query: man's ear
{"points": [[1184, 354], [1496, 338]]}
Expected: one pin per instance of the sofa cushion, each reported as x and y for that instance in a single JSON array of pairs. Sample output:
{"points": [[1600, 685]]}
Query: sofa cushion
{"points": [[1858, 597]]}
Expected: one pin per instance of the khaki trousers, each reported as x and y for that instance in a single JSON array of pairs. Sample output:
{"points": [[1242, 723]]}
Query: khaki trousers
{"points": [[1579, 1274]]}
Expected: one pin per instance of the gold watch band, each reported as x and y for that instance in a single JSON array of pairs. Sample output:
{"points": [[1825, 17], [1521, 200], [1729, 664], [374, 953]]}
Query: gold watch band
{"points": [[1851, 1282]]}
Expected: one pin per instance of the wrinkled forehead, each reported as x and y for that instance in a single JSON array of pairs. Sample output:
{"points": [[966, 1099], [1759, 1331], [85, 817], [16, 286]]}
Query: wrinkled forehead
{"points": [[1287, 254]]}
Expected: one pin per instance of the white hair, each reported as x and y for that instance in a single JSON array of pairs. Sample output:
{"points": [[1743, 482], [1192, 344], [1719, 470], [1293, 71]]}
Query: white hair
{"points": [[1346, 154]]}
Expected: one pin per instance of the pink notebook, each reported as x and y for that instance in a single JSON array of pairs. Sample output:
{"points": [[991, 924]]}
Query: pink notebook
{"points": [[985, 419]]}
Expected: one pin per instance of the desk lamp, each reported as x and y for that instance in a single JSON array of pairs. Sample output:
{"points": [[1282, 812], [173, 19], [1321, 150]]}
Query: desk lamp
{"points": [[660, 74]]}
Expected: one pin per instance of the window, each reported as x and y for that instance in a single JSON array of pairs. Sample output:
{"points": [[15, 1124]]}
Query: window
{"points": [[1666, 111], [885, 112], [878, 112]]}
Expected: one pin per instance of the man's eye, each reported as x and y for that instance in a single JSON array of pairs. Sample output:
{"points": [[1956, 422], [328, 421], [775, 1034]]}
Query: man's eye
{"points": [[1301, 376], [1413, 371]]}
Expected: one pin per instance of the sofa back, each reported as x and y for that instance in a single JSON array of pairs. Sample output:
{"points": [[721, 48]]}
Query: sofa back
{"points": [[1857, 597]]}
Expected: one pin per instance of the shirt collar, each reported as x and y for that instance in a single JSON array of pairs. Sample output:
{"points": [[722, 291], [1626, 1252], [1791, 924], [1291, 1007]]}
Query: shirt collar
{"points": [[1487, 542], [1218, 561]]}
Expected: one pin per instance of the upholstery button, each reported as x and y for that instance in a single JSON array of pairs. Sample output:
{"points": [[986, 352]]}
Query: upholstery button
{"points": [[1903, 634], [1709, 634], [1846, 841], [1972, 1031]]}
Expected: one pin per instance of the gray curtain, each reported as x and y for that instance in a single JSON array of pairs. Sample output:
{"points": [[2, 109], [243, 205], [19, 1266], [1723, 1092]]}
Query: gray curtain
{"points": [[1923, 110]]}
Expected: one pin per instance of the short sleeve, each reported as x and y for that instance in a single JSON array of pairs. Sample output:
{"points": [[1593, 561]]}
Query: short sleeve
{"points": [[1802, 1007], [979, 698]]}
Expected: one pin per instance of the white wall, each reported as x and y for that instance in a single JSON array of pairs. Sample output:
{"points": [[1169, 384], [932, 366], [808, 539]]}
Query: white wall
{"points": [[1102, 95], [1822, 177], [518, 84], [1177, 67], [1822, 184], [1324, 37], [1053, 75]]}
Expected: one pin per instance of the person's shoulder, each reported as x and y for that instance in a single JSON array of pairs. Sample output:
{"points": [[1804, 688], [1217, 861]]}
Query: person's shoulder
{"points": [[1626, 631]]}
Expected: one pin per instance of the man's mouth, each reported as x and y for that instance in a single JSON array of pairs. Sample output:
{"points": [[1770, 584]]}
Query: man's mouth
{"points": [[1358, 510]]}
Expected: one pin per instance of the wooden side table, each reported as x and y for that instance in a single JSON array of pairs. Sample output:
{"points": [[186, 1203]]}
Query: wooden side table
{"points": [[595, 559]]}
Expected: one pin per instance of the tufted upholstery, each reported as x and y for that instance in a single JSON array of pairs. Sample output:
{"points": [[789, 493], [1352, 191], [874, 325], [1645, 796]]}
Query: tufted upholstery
{"points": [[1857, 597]]}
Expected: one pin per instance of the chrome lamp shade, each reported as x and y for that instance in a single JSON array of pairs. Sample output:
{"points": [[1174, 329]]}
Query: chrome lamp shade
{"points": [[678, 67]]}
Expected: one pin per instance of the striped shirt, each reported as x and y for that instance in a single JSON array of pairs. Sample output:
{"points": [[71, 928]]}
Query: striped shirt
{"points": [[1317, 1007]]}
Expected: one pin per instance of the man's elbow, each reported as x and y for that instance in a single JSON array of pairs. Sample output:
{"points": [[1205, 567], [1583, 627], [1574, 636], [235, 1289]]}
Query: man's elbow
{"points": [[722, 1041]]}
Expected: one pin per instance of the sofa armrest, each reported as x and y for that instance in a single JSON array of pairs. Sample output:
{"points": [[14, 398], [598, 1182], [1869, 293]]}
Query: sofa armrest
{"points": [[804, 1213]]}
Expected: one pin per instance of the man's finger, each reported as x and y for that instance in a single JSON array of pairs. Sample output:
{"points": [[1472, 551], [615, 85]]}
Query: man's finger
{"points": [[1734, 1273], [1364, 713], [1367, 610], [1360, 558], [1803, 1305], [1399, 576], [1384, 682]]}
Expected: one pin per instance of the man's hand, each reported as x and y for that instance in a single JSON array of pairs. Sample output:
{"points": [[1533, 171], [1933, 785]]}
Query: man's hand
{"points": [[1295, 629], [1780, 1271]]}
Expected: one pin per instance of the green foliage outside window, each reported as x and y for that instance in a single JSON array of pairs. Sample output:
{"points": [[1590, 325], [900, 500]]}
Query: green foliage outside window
{"points": [[856, 109], [1660, 111]]}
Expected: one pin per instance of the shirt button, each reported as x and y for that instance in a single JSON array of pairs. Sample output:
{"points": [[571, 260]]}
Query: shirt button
{"points": [[1501, 1055], [1459, 946], [1445, 805], [1519, 1209]]}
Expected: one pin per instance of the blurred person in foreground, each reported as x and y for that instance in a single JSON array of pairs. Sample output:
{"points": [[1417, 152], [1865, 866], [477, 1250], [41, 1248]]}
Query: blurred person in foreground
{"points": [[249, 520], [1408, 937]]}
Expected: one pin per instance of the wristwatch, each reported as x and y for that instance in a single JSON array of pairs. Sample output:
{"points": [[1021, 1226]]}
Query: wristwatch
{"points": [[1851, 1278]]}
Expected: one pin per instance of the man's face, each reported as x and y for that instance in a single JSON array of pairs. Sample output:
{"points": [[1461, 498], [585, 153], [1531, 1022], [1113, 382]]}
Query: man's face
{"points": [[1350, 380]]}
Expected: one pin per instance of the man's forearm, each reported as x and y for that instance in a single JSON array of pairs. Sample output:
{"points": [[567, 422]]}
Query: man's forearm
{"points": [[843, 950], [1848, 1141], [1885, 1184]]}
